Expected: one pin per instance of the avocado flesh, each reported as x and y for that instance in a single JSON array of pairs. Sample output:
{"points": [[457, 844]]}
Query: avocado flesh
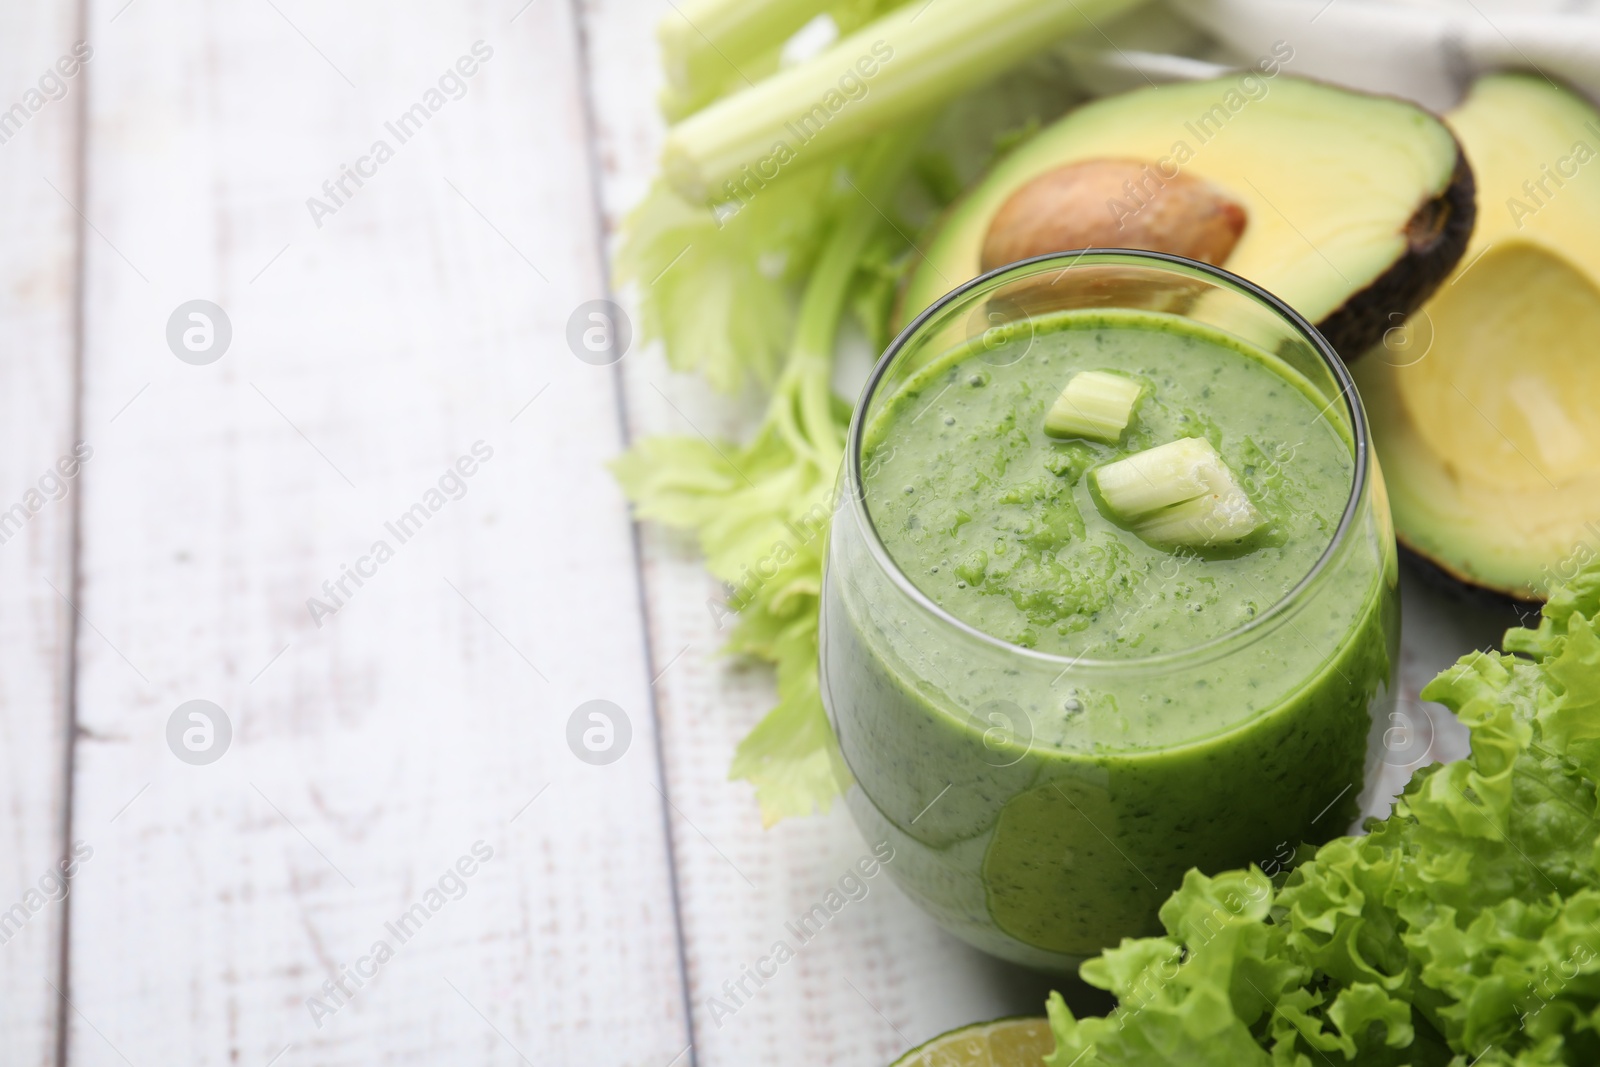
{"points": [[1357, 206], [1485, 424]]}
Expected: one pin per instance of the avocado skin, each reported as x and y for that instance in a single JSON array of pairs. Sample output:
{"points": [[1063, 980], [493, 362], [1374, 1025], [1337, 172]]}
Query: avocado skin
{"points": [[1464, 588], [1437, 236]]}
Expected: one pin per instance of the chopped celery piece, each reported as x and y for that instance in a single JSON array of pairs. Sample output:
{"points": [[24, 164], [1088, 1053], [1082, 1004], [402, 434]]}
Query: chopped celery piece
{"points": [[1096, 405], [1157, 477], [1212, 519], [1179, 493]]}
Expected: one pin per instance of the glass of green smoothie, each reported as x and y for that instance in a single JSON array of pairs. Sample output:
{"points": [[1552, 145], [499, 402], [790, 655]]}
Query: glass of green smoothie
{"points": [[1110, 593]]}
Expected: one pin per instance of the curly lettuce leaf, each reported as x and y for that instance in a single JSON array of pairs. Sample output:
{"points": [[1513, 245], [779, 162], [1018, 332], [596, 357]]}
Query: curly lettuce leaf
{"points": [[1577, 598], [1463, 929], [1207, 985]]}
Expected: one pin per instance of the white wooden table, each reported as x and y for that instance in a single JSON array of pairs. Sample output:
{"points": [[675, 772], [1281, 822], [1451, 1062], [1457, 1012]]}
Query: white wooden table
{"points": [[375, 748]]}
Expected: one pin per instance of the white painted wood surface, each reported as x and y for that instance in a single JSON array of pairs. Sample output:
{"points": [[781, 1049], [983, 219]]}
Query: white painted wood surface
{"points": [[38, 272], [430, 712], [368, 754]]}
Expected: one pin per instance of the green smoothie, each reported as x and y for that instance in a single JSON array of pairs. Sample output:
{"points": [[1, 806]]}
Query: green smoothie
{"points": [[1137, 707], [995, 520]]}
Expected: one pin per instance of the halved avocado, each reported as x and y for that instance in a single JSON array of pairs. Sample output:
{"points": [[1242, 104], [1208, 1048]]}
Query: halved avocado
{"points": [[1487, 417], [1354, 207]]}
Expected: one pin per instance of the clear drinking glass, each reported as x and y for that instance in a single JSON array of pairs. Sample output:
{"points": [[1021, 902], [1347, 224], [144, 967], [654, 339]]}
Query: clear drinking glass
{"points": [[1027, 814]]}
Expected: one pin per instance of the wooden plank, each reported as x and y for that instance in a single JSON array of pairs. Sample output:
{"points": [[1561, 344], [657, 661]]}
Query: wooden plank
{"points": [[39, 124], [424, 722], [882, 978]]}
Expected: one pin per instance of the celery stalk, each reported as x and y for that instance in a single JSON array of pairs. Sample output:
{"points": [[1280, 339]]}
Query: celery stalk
{"points": [[808, 375], [907, 62], [710, 45], [676, 103]]}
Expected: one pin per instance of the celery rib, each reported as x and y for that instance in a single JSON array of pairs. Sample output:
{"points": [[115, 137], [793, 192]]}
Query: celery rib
{"points": [[708, 46], [917, 58]]}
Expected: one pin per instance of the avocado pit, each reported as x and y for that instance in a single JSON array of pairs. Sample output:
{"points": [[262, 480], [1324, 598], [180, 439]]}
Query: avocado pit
{"points": [[1114, 203]]}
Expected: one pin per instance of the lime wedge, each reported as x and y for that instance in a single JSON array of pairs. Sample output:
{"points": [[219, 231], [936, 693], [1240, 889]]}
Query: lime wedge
{"points": [[1002, 1043]]}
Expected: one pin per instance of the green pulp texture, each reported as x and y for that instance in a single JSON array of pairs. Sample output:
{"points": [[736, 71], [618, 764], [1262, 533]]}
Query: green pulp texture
{"points": [[1044, 809], [998, 524]]}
